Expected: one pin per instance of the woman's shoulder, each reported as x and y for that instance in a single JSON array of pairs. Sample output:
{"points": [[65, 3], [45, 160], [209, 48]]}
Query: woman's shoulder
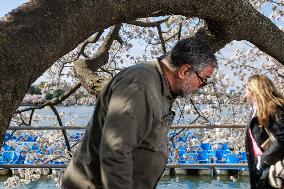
{"points": [[279, 115], [277, 126]]}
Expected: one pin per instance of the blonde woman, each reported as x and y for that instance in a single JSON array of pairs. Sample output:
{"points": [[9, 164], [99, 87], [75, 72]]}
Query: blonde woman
{"points": [[268, 115]]}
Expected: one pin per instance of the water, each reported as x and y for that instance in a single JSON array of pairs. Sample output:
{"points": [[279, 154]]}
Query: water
{"points": [[166, 182], [71, 115], [80, 115], [42, 183], [201, 182]]}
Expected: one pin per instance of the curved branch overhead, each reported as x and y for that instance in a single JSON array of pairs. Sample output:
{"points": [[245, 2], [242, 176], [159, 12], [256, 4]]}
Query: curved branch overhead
{"points": [[39, 32], [92, 82], [85, 68]]}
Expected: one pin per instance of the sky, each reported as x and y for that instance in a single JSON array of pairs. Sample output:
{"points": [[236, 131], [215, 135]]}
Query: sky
{"points": [[7, 5]]}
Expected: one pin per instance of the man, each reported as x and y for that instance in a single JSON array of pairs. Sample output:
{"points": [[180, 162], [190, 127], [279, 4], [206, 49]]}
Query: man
{"points": [[125, 144]]}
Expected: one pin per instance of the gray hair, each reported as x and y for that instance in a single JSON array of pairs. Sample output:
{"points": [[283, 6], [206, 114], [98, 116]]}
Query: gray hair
{"points": [[192, 51]]}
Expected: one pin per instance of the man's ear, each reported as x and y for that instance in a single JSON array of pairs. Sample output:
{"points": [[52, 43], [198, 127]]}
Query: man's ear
{"points": [[183, 71]]}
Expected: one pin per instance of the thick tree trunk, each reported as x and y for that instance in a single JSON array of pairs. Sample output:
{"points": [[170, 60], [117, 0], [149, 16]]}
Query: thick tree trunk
{"points": [[35, 35]]}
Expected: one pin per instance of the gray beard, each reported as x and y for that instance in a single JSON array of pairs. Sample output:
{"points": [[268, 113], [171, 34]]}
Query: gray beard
{"points": [[181, 90]]}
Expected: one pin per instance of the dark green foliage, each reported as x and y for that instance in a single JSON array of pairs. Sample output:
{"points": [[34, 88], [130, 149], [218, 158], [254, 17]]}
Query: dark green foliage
{"points": [[57, 93], [33, 90]]}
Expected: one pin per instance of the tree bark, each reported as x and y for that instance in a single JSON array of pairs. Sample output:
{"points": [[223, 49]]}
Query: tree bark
{"points": [[36, 34]]}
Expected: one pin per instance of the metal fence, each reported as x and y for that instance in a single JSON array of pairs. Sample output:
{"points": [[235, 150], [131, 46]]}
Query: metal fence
{"points": [[173, 127]]}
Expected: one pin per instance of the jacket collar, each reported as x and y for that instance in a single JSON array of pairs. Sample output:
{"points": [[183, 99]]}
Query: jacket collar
{"points": [[165, 88]]}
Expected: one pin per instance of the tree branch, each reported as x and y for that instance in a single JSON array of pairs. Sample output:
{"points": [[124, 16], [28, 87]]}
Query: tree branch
{"points": [[148, 24], [275, 2], [63, 130], [85, 68], [162, 39], [92, 39], [35, 35], [53, 101]]}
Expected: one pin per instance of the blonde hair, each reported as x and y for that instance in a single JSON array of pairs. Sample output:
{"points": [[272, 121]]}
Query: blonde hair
{"points": [[267, 96]]}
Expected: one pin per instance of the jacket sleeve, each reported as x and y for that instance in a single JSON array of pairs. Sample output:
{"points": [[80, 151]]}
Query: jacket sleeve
{"points": [[127, 122], [276, 150]]}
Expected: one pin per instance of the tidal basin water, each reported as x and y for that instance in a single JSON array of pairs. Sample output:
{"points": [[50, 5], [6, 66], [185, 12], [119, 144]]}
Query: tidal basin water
{"points": [[166, 182], [80, 115]]}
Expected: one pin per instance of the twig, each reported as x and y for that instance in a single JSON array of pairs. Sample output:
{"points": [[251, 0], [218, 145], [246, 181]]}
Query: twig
{"points": [[162, 39], [53, 101], [31, 116], [148, 24], [63, 130], [92, 39], [179, 31], [191, 101]]}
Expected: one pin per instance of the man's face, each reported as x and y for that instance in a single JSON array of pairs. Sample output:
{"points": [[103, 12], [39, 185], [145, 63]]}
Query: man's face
{"points": [[193, 80]]}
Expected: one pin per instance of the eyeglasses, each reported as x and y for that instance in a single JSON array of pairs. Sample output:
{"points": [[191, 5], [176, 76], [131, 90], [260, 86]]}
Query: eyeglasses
{"points": [[205, 81]]}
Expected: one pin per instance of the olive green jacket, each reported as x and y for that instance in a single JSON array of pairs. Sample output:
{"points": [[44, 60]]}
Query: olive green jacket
{"points": [[125, 144]]}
